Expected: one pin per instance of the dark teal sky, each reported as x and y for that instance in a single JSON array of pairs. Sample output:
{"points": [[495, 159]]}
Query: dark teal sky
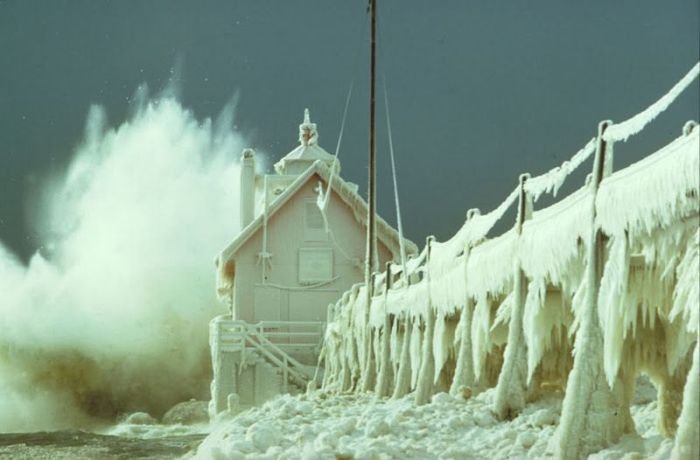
{"points": [[479, 91]]}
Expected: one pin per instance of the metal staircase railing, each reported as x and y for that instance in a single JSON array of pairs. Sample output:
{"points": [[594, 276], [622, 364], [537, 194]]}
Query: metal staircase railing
{"points": [[240, 336]]}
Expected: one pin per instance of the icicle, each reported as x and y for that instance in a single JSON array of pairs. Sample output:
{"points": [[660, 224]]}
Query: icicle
{"points": [[440, 345], [490, 265], [394, 345], [687, 442], [686, 296], [384, 349], [549, 244], [613, 306], [415, 348], [424, 385], [503, 312], [464, 372], [537, 326], [683, 327], [348, 362], [481, 344], [654, 192], [402, 382]]}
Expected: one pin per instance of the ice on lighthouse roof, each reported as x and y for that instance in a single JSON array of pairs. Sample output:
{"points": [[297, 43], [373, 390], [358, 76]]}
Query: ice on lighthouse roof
{"points": [[307, 152]]}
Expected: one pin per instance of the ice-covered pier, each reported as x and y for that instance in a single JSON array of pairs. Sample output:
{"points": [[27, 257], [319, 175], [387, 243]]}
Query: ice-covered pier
{"points": [[583, 295]]}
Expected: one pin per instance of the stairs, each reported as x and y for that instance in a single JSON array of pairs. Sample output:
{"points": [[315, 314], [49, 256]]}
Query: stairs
{"points": [[257, 361]]}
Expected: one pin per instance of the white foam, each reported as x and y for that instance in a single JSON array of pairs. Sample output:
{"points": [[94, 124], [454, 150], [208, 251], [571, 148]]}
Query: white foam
{"points": [[112, 317]]}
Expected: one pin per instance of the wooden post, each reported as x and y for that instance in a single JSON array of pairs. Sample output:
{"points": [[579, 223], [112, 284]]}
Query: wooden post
{"points": [[388, 281], [382, 387], [370, 255], [687, 442], [512, 381], [464, 370], [350, 344], [224, 368], [369, 367], [345, 371], [285, 374], [593, 415], [424, 388], [402, 379]]}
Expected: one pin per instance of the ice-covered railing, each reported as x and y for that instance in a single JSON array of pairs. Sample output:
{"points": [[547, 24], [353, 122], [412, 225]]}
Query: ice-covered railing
{"points": [[474, 229], [414, 266], [622, 131], [549, 240], [552, 181], [598, 272], [444, 255], [652, 191], [477, 226]]}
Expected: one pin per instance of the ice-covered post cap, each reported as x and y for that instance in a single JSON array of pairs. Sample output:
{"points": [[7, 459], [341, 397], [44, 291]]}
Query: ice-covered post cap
{"points": [[689, 126], [307, 131], [473, 212]]}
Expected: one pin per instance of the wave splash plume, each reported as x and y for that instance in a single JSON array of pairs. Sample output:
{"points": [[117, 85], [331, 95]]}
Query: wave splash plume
{"points": [[110, 316]]}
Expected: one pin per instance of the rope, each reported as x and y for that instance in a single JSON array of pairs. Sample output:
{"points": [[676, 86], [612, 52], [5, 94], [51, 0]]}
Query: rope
{"points": [[337, 151], [322, 198], [301, 288], [402, 246]]}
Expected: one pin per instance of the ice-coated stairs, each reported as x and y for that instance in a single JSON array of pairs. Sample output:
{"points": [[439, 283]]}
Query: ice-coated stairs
{"points": [[259, 361]]}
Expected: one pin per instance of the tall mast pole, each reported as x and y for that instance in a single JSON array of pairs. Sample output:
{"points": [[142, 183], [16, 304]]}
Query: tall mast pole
{"points": [[370, 267], [371, 183]]}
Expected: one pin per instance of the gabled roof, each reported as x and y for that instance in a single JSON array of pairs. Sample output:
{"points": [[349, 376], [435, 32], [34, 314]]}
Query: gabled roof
{"points": [[385, 232]]}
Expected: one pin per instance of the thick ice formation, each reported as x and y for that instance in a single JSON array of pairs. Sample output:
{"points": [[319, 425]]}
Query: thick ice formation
{"points": [[686, 297], [551, 239], [589, 292], [652, 192], [320, 425], [325, 425]]}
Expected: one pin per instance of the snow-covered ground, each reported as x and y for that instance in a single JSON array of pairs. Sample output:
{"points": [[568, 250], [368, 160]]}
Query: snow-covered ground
{"points": [[321, 425]]}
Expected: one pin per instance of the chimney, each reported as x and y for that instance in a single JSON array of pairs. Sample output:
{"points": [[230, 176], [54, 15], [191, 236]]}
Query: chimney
{"points": [[247, 192]]}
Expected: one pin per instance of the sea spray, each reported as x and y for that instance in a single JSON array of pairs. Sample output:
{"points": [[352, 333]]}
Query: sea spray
{"points": [[111, 315]]}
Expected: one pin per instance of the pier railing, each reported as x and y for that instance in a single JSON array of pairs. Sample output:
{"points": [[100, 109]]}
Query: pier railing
{"points": [[610, 271]]}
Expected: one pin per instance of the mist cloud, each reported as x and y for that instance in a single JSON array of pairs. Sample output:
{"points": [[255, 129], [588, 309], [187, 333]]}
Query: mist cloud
{"points": [[111, 316]]}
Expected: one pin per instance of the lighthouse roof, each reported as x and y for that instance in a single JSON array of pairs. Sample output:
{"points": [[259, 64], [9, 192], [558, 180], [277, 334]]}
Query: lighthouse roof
{"points": [[345, 191]]}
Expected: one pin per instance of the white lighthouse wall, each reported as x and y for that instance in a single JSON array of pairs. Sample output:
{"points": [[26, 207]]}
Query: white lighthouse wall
{"points": [[281, 296]]}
